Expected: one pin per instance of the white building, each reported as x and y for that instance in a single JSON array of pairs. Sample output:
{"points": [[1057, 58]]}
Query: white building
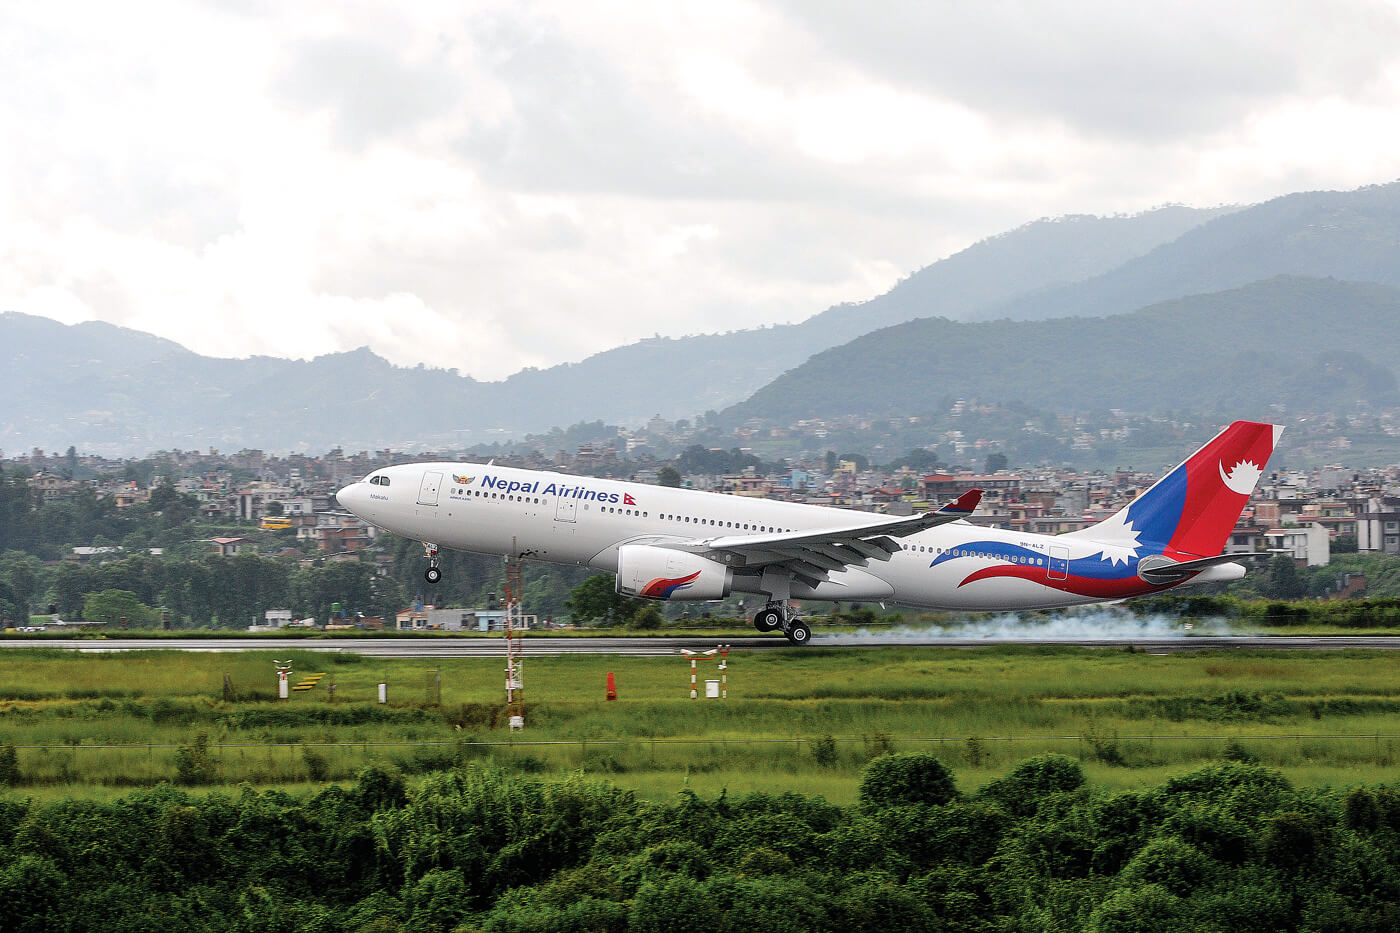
{"points": [[1308, 544], [274, 619]]}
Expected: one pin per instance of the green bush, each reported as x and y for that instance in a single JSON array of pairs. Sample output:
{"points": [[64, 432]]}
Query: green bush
{"points": [[1222, 780], [900, 780], [1148, 909], [1361, 811], [1177, 866], [379, 788], [9, 766], [317, 768], [437, 901], [193, 763], [1035, 780], [1292, 839]]}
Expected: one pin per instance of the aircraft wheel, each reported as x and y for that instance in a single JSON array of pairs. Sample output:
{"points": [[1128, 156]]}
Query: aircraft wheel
{"points": [[432, 575], [767, 620], [798, 633]]}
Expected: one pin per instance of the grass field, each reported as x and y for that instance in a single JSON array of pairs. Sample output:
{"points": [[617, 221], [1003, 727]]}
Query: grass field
{"points": [[804, 720]]}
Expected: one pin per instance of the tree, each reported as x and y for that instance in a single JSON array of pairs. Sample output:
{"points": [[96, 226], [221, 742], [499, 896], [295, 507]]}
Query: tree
{"points": [[668, 476], [163, 495], [920, 459], [994, 463], [1283, 581], [597, 598], [112, 606], [16, 508], [647, 617], [12, 611], [275, 508], [22, 573]]}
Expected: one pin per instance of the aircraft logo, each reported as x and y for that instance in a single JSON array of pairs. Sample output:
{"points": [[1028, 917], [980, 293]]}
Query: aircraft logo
{"points": [[1119, 539], [628, 500], [1241, 478], [463, 480], [662, 587]]}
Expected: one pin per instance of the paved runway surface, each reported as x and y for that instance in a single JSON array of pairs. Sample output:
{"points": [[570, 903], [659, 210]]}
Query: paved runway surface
{"points": [[671, 646]]}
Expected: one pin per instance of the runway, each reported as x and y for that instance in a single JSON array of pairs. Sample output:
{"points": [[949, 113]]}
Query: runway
{"points": [[541, 646]]}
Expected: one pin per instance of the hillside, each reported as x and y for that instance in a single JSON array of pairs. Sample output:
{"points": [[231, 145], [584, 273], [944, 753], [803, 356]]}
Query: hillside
{"points": [[1351, 235], [111, 389], [680, 377], [108, 389], [1305, 344]]}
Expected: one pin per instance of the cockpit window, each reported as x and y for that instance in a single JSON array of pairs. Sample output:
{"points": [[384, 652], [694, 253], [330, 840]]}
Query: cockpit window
{"points": [[379, 481]]}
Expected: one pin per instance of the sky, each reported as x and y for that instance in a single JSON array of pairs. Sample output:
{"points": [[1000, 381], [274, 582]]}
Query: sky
{"points": [[487, 186]]}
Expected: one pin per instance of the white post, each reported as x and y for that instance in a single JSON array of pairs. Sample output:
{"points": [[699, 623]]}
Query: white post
{"points": [[383, 693], [283, 669]]}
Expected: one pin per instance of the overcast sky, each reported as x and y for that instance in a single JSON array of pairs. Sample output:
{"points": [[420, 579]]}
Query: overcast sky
{"points": [[489, 186]]}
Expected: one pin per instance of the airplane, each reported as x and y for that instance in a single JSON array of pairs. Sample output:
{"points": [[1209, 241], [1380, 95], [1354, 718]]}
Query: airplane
{"points": [[679, 544]]}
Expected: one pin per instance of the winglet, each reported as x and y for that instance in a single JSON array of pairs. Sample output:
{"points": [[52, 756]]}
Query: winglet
{"points": [[965, 504]]}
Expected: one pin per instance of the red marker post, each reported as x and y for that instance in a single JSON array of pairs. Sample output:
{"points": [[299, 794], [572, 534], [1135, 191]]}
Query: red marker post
{"points": [[612, 687]]}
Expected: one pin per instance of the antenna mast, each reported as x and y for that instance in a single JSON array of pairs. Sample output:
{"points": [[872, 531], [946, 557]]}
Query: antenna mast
{"points": [[515, 686]]}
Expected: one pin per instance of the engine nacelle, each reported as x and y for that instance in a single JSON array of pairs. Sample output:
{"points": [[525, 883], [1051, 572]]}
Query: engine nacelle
{"points": [[661, 573]]}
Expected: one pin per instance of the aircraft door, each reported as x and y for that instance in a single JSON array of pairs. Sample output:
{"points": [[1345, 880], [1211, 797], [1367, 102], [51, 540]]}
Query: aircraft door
{"points": [[428, 492], [1059, 563], [566, 509]]}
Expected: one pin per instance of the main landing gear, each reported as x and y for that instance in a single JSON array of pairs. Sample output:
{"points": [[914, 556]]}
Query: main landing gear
{"points": [[433, 574], [779, 615]]}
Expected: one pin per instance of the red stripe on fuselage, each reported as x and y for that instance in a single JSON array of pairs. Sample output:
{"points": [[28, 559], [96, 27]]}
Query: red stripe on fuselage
{"points": [[1079, 586]]}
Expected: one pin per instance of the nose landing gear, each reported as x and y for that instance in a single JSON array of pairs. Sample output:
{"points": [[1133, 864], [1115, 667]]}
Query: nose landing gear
{"points": [[433, 574]]}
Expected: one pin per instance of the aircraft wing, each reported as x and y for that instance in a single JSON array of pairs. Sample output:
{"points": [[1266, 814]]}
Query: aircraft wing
{"points": [[811, 555]]}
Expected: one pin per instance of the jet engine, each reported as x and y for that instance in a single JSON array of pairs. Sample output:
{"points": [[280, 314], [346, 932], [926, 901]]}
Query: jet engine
{"points": [[662, 573]]}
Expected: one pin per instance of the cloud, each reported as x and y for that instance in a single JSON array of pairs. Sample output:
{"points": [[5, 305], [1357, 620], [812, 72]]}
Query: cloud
{"points": [[372, 93], [494, 184], [1126, 71]]}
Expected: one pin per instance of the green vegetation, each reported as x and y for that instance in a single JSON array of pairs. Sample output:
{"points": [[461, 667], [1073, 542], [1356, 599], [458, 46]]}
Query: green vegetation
{"points": [[1227, 846], [1286, 617], [861, 789], [801, 720]]}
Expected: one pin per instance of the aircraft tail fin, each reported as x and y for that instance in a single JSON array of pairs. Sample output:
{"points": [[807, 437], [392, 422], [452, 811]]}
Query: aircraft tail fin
{"points": [[1190, 512]]}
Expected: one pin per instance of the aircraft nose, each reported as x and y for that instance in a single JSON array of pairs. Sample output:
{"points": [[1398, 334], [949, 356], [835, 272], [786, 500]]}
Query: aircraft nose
{"points": [[353, 497]]}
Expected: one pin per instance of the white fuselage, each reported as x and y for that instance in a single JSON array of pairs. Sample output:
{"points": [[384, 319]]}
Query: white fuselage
{"points": [[584, 521]]}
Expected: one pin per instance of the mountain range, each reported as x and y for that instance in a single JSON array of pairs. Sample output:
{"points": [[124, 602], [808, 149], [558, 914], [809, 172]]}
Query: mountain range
{"points": [[1285, 303]]}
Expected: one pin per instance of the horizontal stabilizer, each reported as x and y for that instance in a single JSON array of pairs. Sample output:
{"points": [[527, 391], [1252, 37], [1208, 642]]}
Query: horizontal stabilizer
{"points": [[1161, 571]]}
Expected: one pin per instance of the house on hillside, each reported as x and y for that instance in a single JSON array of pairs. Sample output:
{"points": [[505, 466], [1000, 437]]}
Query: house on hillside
{"points": [[228, 547]]}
